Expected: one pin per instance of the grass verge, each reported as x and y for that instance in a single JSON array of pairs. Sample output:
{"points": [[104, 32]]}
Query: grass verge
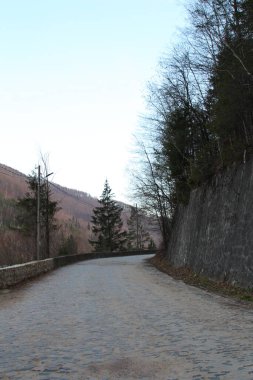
{"points": [[189, 277]]}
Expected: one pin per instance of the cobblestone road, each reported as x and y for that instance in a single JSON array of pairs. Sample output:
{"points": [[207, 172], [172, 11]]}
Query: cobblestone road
{"points": [[121, 319]]}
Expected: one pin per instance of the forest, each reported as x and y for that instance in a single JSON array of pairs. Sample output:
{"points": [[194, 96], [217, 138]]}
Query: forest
{"points": [[199, 117]]}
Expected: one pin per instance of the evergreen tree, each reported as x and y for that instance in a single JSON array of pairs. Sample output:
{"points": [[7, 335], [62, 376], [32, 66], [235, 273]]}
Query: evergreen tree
{"points": [[68, 246], [27, 218], [232, 86], [107, 224], [200, 115]]}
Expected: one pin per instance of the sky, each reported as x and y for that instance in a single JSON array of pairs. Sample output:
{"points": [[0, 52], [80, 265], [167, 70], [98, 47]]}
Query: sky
{"points": [[73, 78]]}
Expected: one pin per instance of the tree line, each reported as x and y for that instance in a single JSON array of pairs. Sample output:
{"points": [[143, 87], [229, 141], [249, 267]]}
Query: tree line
{"points": [[200, 109], [29, 226], [30, 229], [108, 234]]}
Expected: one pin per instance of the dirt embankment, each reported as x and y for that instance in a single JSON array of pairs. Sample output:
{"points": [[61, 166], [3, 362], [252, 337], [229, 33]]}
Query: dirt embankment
{"points": [[189, 277]]}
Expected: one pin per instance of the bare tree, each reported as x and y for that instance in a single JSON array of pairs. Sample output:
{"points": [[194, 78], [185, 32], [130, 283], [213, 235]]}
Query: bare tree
{"points": [[199, 116], [152, 188]]}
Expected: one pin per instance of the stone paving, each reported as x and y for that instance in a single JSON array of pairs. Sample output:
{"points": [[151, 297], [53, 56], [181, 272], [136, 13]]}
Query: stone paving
{"points": [[121, 319]]}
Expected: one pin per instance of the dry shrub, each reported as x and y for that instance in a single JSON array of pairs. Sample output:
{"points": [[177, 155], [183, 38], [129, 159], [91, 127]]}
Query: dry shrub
{"points": [[16, 248]]}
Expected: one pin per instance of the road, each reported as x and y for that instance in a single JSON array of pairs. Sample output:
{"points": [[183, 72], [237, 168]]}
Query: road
{"points": [[120, 318]]}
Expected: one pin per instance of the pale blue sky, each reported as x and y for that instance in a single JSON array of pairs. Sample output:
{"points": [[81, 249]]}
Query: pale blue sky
{"points": [[72, 78]]}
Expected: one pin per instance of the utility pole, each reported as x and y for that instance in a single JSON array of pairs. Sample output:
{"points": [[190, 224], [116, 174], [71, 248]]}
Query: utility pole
{"points": [[137, 228], [38, 215], [47, 217]]}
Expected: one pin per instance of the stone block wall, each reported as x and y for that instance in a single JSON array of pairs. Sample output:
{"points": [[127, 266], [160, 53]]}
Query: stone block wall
{"points": [[15, 274], [213, 234]]}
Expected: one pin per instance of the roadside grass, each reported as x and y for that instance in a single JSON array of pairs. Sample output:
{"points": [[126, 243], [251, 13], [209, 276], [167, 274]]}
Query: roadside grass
{"points": [[189, 277]]}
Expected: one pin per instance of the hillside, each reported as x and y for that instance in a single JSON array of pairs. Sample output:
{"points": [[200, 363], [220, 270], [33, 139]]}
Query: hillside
{"points": [[74, 204]]}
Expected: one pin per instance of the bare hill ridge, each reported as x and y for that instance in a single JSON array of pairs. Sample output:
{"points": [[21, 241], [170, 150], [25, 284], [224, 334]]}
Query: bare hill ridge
{"points": [[74, 203]]}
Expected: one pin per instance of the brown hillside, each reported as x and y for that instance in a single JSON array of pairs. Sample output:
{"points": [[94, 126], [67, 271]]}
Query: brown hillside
{"points": [[74, 204]]}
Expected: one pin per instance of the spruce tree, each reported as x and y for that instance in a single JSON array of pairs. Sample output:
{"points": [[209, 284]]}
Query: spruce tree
{"points": [[27, 218], [107, 224], [232, 87]]}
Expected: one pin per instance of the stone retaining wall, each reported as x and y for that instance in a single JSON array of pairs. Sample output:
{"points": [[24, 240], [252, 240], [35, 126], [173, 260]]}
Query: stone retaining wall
{"points": [[213, 234], [15, 274], [12, 275]]}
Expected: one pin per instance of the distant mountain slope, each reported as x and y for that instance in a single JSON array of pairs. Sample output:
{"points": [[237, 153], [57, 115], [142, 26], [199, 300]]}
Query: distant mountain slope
{"points": [[74, 203], [12, 182]]}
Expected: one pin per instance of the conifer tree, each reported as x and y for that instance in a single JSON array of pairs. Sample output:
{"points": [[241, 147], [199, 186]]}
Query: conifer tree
{"points": [[27, 218], [107, 224]]}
